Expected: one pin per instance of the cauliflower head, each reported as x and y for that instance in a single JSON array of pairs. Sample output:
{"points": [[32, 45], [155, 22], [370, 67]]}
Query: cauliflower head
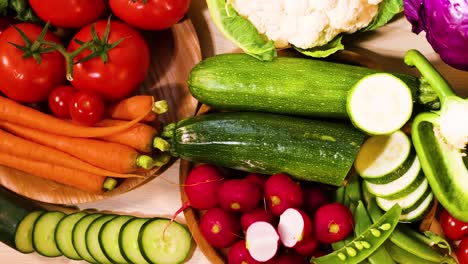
{"points": [[306, 23]]}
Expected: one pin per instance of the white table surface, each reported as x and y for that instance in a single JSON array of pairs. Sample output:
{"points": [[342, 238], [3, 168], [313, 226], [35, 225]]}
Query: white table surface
{"points": [[160, 198]]}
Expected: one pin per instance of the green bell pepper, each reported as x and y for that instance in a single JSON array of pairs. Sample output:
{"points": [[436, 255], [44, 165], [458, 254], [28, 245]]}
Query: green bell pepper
{"points": [[439, 138]]}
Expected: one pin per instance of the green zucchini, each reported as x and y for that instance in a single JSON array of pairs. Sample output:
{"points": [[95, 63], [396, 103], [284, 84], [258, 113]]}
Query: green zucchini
{"points": [[13, 209], [295, 86], [306, 149], [380, 104]]}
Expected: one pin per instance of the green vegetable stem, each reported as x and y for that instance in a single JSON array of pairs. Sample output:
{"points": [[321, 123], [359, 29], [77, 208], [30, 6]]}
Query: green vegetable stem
{"points": [[440, 138]]}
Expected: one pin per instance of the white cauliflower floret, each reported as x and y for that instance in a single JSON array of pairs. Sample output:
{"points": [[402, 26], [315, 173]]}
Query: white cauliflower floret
{"points": [[454, 124], [306, 23]]}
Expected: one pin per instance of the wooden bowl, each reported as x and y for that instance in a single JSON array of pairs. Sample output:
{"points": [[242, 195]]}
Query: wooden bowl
{"points": [[192, 216], [173, 54]]}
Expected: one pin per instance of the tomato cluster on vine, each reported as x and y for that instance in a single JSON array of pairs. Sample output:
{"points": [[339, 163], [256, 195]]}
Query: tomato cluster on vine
{"points": [[106, 59]]}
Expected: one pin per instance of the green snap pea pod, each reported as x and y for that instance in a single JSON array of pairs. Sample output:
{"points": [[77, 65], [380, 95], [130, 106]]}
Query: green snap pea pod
{"points": [[339, 194], [353, 188], [402, 256], [404, 237], [367, 243], [362, 221]]}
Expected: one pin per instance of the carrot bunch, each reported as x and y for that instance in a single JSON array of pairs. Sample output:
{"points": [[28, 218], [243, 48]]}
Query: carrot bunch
{"points": [[122, 146]]}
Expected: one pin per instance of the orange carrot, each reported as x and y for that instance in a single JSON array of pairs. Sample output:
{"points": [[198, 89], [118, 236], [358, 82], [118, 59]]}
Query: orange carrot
{"points": [[14, 112], [82, 180], [107, 155], [140, 136], [135, 106], [13, 145]]}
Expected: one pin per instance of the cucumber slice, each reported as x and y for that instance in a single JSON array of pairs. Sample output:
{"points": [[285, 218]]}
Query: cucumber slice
{"points": [[109, 238], [420, 211], [92, 238], [379, 104], [399, 187], [23, 234], [128, 240], [161, 243], [406, 203], [382, 155], [79, 237], [43, 235], [64, 235]]}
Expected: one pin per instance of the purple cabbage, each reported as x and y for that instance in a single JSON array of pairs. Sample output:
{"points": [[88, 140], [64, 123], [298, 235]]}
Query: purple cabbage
{"points": [[446, 25]]}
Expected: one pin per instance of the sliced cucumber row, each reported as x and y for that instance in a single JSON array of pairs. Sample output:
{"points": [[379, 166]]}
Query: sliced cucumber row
{"points": [[392, 172], [103, 238]]}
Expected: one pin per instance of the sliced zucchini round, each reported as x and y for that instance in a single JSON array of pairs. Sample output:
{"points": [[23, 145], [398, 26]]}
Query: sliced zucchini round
{"points": [[420, 211], [92, 239], [400, 187], [43, 233], [109, 238], [380, 156], [23, 234], [64, 235], [380, 104], [409, 201], [163, 241], [128, 240]]}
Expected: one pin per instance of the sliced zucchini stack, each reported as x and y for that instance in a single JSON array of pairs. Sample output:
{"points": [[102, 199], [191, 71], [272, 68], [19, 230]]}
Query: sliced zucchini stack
{"points": [[392, 172], [103, 238]]}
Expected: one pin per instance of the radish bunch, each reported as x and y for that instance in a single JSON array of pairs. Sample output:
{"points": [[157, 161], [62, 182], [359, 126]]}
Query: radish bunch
{"points": [[261, 218]]}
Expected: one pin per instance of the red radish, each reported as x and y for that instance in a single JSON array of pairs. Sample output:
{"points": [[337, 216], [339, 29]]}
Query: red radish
{"points": [[288, 258], [318, 253], [239, 195], [281, 193], [294, 226], [257, 178], [262, 241], [201, 186], [238, 254], [307, 247], [220, 228], [259, 214], [314, 197], [333, 222]]}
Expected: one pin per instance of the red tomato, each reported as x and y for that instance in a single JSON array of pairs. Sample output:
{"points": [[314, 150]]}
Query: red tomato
{"points": [[462, 252], [23, 79], [453, 228], [86, 108], [127, 64], [152, 15], [59, 100], [69, 14]]}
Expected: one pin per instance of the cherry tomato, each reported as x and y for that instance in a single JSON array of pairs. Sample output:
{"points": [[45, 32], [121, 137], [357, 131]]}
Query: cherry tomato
{"points": [[152, 15], [86, 108], [69, 14], [127, 64], [453, 228], [59, 100], [462, 251], [24, 79]]}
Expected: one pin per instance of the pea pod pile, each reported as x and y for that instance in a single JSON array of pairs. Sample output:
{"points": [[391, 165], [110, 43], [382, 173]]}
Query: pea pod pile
{"points": [[380, 238]]}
